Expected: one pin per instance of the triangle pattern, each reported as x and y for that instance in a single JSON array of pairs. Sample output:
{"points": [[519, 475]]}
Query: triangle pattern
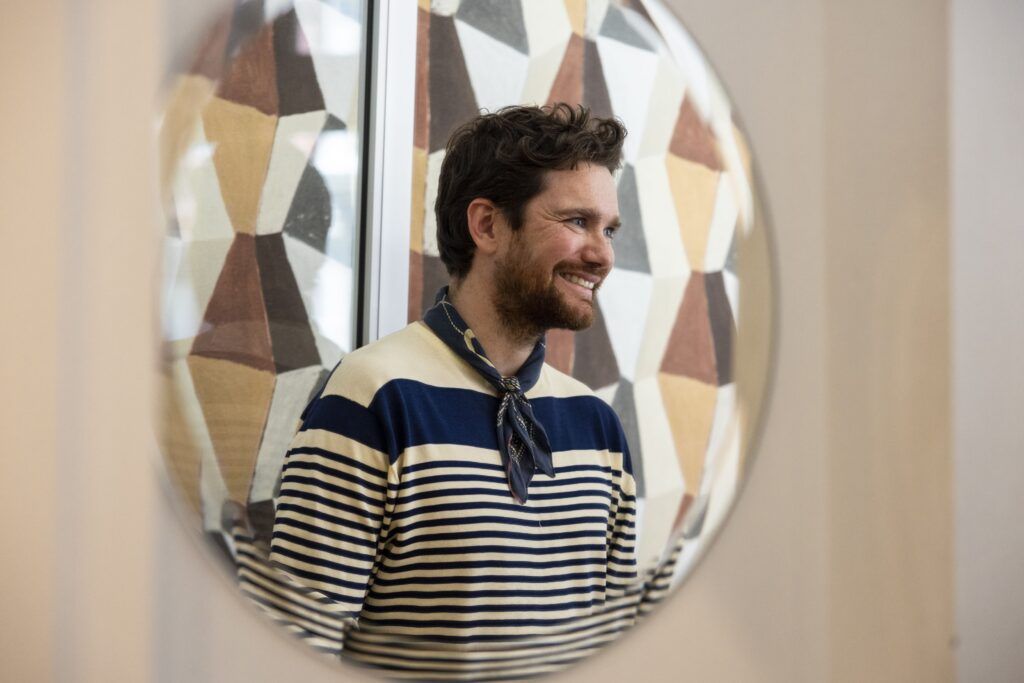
{"points": [[451, 94], [291, 338], [630, 86], [235, 322], [723, 329], [251, 77], [235, 426], [293, 144], [690, 351], [309, 217], [497, 71], [625, 298], [502, 20], [242, 138], [630, 244], [595, 89], [694, 187], [595, 363], [615, 26], [335, 40], [624, 406], [560, 349], [298, 89], [568, 85], [690, 406], [693, 139]]}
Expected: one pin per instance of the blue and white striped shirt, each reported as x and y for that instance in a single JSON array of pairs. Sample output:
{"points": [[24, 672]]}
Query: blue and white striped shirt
{"points": [[394, 504]]}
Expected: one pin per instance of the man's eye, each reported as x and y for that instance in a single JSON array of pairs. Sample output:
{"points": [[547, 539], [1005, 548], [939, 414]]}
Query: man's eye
{"points": [[610, 232], [578, 221]]}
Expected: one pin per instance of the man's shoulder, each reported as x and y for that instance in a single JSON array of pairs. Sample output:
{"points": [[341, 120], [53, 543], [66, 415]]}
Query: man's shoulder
{"points": [[362, 372], [555, 384]]}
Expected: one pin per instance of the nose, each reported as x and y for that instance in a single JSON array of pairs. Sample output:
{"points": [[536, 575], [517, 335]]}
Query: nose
{"points": [[598, 252]]}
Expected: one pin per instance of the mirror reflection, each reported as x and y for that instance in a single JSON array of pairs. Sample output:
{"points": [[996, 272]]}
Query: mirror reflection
{"points": [[519, 475]]}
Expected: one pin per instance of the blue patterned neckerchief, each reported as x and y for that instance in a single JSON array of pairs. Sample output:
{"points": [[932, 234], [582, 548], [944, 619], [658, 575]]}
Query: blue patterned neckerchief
{"points": [[522, 441]]}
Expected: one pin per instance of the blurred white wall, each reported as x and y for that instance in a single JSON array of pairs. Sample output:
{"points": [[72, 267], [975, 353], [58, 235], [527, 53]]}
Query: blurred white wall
{"points": [[987, 149], [899, 317]]}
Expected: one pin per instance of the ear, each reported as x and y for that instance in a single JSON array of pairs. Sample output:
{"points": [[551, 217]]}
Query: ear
{"points": [[484, 221]]}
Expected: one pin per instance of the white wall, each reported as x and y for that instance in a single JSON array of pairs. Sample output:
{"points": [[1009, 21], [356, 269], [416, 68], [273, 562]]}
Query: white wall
{"points": [[987, 146]]}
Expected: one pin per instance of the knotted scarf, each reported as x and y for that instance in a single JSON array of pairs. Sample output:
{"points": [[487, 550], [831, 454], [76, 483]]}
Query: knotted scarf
{"points": [[522, 441]]}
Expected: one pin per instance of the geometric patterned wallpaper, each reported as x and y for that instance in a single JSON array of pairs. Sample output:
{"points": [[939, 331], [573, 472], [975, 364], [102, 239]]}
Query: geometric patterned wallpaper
{"points": [[661, 349], [261, 154]]}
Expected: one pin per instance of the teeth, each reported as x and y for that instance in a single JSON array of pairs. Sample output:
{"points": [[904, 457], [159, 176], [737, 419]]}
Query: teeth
{"points": [[578, 281]]}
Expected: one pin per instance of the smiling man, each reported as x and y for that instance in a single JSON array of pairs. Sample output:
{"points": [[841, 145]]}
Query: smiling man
{"points": [[470, 508]]}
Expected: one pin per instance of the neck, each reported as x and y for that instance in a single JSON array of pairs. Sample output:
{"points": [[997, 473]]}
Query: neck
{"points": [[506, 349]]}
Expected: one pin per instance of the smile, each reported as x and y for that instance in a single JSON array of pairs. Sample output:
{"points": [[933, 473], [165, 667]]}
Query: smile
{"points": [[578, 281]]}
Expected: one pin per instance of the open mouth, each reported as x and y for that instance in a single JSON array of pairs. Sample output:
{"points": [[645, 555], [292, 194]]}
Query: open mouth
{"points": [[578, 281]]}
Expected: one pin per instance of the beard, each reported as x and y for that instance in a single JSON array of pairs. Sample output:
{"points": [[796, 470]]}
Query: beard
{"points": [[528, 301]]}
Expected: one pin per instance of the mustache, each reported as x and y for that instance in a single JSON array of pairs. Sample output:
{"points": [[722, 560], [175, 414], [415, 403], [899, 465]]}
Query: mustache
{"points": [[596, 271]]}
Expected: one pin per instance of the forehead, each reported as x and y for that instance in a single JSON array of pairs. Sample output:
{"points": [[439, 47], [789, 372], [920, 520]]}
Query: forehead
{"points": [[587, 186]]}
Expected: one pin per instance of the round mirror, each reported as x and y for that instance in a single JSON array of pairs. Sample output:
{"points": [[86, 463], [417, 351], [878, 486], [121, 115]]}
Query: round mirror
{"points": [[267, 155]]}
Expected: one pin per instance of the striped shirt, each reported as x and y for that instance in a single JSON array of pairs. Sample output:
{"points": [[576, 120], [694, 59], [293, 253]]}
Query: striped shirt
{"points": [[394, 505]]}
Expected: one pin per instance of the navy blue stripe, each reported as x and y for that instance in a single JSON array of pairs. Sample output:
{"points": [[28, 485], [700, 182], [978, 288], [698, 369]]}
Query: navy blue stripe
{"points": [[334, 488], [378, 596], [489, 638], [487, 578], [621, 575], [465, 535], [476, 623], [403, 653], [338, 457], [380, 489], [333, 550], [286, 607], [491, 519], [416, 413], [321, 562], [457, 464], [501, 493], [475, 609], [540, 482], [477, 505], [320, 531], [317, 576], [330, 519], [333, 504], [489, 564], [346, 417], [472, 550]]}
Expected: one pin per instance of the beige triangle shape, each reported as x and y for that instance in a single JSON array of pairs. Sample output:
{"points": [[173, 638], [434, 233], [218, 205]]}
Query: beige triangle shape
{"points": [[235, 400], [690, 406], [694, 188], [242, 138]]}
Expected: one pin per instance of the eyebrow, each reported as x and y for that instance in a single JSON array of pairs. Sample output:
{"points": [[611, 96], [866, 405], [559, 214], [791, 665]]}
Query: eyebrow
{"points": [[591, 215]]}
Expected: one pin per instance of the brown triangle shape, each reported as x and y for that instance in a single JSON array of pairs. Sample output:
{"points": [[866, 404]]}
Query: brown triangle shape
{"points": [[421, 131], [252, 75], [690, 351], [693, 140], [568, 85], [560, 351], [235, 324]]}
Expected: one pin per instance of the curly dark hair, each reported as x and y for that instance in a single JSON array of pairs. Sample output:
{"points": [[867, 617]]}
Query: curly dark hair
{"points": [[503, 156]]}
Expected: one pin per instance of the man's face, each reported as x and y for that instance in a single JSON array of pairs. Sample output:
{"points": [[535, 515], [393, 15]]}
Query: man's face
{"points": [[551, 269]]}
